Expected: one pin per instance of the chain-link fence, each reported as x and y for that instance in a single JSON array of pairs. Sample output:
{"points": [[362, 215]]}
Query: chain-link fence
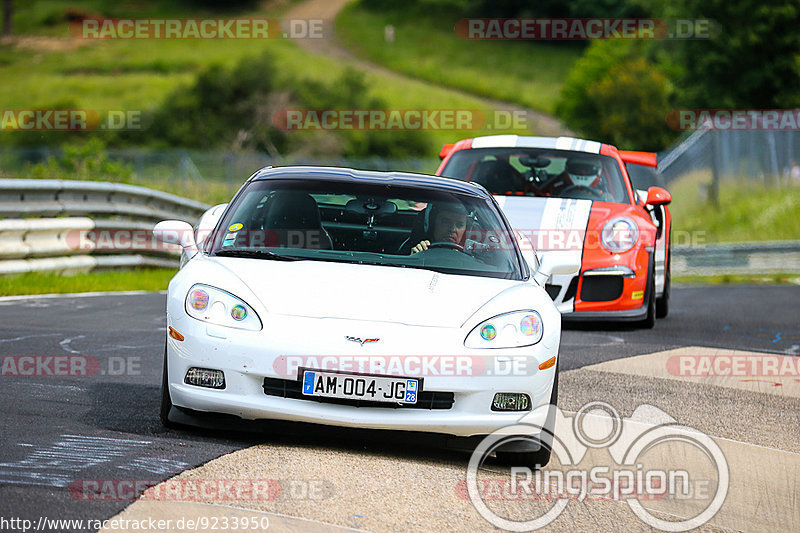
{"points": [[769, 157]]}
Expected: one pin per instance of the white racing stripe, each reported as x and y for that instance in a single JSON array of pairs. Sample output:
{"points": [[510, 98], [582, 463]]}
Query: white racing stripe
{"points": [[553, 225], [550, 143]]}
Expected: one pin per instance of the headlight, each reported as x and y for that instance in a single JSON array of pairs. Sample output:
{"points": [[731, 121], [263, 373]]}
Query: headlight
{"points": [[219, 307], [511, 330], [619, 235]]}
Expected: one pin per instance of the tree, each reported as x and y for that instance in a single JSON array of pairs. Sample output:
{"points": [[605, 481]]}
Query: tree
{"points": [[753, 61], [8, 14], [615, 95]]}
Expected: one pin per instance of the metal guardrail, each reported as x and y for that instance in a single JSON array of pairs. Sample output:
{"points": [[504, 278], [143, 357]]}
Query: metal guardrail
{"points": [[70, 226], [737, 258]]}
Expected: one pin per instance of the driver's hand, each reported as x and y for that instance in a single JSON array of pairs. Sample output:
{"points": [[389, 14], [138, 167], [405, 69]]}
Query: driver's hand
{"points": [[421, 247]]}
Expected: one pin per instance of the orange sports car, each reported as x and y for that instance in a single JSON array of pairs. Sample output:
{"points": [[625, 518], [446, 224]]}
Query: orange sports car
{"points": [[574, 196]]}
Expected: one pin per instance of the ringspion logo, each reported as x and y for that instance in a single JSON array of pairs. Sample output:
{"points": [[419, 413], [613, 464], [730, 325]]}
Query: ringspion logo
{"points": [[641, 469]]}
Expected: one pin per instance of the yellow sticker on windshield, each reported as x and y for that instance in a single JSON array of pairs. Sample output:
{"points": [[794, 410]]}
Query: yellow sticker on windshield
{"points": [[235, 227]]}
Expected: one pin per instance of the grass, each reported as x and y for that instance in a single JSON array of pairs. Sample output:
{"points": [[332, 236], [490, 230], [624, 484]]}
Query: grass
{"points": [[143, 279], [55, 70], [530, 74], [747, 211]]}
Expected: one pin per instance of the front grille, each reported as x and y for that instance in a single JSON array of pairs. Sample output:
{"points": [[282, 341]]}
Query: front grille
{"points": [[601, 288], [287, 388]]}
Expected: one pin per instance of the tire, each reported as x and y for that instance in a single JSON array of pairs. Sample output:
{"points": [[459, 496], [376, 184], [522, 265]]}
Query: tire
{"points": [[538, 459], [662, 304], [166, 401]]}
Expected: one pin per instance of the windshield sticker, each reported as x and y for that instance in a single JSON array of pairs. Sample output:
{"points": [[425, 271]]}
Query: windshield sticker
{"points": [[235, 227], [230, 238]]}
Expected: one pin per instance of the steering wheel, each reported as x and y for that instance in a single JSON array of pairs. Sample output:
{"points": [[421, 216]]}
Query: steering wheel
{"points": [[567, 190], [446, 244]]}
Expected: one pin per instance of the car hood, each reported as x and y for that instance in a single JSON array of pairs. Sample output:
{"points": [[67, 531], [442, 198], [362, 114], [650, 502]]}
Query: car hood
{"points": [[549, 223], [321, 289]]}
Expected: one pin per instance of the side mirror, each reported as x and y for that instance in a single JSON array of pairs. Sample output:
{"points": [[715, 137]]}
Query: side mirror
{"points": [[556, 263], [658, 196], [175, 232], [445, 150]]}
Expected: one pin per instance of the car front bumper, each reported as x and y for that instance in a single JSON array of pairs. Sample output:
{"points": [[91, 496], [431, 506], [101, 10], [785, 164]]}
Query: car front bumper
{"points": [[248, 357]]}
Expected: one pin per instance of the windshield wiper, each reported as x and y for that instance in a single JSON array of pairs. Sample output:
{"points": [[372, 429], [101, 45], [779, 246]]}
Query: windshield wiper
{"points": [[255, 254]]}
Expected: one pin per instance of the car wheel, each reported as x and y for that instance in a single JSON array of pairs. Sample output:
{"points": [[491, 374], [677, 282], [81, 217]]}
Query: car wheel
{"points": [[662, 304], [166, 401], [540, 457]]}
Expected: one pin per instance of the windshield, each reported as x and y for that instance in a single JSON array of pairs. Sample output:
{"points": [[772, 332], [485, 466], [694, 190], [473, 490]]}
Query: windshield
{"points": [[540, 172], [368, 223]]}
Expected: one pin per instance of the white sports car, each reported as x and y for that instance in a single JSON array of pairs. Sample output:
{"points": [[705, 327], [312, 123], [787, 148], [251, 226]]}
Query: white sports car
{"points": [[360, 299]]}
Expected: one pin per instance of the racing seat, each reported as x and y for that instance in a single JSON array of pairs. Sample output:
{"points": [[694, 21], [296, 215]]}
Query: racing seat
{"points": [[293, 221], [498, 177]]}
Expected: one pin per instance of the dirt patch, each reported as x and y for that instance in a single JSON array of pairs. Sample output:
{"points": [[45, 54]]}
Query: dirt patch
{"points": [[44, 44]]}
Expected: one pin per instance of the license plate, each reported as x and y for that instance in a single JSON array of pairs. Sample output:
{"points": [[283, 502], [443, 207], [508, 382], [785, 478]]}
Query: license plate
{"points": [[360, 387]]}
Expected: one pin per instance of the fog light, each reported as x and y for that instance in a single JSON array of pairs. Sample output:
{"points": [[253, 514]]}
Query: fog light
{"points": [[511, 401], [205, 377]]}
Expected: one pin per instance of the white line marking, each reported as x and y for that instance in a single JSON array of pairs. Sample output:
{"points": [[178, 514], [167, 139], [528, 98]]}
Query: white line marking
{"points": [[65, 343], [28, 337]]}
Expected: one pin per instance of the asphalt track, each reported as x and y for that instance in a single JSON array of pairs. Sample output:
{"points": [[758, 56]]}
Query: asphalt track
{"points": [[57, 431]]}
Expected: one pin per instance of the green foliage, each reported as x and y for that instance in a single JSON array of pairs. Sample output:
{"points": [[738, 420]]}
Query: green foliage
{"points": [[753, 61], [633, 100], [234, 108], [513, 8], [556, 8], [88, 161], [615, 95]]}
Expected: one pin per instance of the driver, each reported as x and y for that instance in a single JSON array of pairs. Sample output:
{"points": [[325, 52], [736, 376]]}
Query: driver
{"points": [[584, 173], [449, 225]]}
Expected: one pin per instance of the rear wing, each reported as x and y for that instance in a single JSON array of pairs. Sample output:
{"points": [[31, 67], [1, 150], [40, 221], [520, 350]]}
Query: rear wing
{"points": [[647, 159]]}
